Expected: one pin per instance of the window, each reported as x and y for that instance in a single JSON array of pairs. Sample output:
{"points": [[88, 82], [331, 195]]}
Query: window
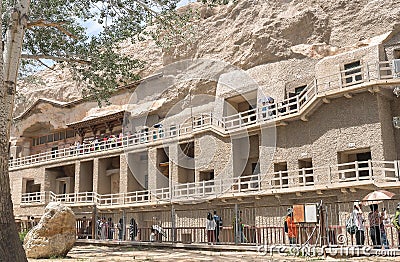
{"points": [[50, 138], [352, 72], [299, 89], [62, 135], [43, 140], [396, 54], [56, 136], [70, 133]]}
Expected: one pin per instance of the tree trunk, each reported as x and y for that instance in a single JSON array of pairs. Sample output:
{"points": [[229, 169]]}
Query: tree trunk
{"points": [[10, 245]]}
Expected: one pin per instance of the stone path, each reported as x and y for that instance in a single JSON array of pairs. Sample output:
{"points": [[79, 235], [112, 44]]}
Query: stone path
{"points": [[93, 253]]}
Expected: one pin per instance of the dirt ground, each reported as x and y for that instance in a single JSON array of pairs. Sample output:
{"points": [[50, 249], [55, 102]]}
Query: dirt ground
{"points": [[109, 254]]}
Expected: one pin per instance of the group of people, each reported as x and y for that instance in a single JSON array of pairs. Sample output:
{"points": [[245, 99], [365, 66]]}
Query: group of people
{"points": [[106, 229], [213, 227], [98, 143], [378, 221]]}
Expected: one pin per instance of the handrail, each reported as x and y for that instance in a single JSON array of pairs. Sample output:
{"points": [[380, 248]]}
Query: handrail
{"points": [[273, 112], [339, 174]]}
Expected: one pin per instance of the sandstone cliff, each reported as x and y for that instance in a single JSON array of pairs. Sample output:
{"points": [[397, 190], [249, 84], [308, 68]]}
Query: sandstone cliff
{"points": [[250, 34]]}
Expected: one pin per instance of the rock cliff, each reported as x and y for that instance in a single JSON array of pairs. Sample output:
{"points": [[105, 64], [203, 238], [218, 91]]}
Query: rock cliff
{"points": [[250, 34]]}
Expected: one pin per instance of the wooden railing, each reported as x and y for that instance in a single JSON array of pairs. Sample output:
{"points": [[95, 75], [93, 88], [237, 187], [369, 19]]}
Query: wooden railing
{"points": [[335, 175]]}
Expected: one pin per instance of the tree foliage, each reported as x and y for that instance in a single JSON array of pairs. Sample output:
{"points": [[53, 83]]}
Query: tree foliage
{"points": [[55, 32]]}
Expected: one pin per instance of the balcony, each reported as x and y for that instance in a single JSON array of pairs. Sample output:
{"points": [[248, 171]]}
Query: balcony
{"points": [[295, 107], [377, 173]]}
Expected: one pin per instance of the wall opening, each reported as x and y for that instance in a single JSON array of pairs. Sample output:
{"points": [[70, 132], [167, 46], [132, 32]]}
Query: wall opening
{"points": [[280, 175], [306, 172], [61, 180], [357, 160], [240, 103], [186, 167], [86, 177], [352, 73], [138, 171], [207, 175], [109, 175]]}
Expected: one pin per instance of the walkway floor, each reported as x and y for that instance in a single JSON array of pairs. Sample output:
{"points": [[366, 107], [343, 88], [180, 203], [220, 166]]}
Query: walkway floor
{"points": [[92, 253]]}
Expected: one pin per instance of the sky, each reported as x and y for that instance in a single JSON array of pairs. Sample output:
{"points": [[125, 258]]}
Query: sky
{"points": [[94, 28]]}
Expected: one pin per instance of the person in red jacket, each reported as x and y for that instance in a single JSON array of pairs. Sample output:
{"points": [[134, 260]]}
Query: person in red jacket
{"points": [[291, 226]]}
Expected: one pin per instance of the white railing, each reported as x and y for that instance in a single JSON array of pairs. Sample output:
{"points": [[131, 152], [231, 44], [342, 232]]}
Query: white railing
{"points": [[33, 198], [337, 175], [289, 106], [271, 112]]}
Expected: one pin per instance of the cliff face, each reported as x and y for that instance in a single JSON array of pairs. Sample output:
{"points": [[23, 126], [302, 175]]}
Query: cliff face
{"points": [[250, 34]]}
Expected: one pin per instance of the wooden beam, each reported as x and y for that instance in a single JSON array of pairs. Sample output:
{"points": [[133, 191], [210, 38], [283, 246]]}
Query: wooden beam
{"points": [[326, 100], [348, 95]]}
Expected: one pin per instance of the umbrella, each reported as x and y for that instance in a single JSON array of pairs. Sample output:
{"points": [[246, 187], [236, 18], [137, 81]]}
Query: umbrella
{"points": [[377, 197]]}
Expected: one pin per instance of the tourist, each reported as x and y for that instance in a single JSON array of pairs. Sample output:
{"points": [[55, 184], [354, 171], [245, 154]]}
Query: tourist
{"points": [[104, 228], [153, 235], [375, 222], [385, 223], [218, 222], [358, 221], [210, 228], [77, 147], [396, 223], [111, 228], [291, 227], [120, 227], [238, 228], [133, 229]]}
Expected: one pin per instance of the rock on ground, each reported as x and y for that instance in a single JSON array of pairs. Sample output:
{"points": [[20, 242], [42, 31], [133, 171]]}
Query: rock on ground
{"points": [[54, 235]]}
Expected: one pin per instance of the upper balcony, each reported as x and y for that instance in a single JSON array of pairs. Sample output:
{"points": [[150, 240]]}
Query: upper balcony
{"points": [[354, 78]]}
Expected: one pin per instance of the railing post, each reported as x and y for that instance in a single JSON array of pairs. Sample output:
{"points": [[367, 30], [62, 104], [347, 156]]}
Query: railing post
{"points": [[396, 169], [340, 79], [357, 172], [370, 169], [367, 72], [315, 86], [280, 179], [378, 70]]}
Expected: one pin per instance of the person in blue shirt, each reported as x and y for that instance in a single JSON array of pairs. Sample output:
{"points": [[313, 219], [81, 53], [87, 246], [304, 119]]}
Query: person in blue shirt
{"points": [[218, 221]]}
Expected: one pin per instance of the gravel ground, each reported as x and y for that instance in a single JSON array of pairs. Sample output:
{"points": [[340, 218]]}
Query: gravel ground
{"points": [[109, 254]]}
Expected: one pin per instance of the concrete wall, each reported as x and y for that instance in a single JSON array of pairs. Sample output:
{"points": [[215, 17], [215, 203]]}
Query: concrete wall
{"points": [[344, 124]]}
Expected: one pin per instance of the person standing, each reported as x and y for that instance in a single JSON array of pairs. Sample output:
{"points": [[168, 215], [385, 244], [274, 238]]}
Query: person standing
{"points": [[385, 223], [291, 227], [104, 228], [111, 229], [375, 222], [133, 229], [120, 227], [218, 222], [358, 221], [210, 228], [396, 223]]}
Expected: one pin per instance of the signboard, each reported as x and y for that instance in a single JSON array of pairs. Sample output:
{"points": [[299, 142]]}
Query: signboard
{"points": [[298, 213], [305, 213], [310, 213]]}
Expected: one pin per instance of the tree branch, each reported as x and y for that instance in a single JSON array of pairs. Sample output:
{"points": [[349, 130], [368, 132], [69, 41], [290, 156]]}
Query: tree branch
{"points": [[44, 23], [55, 58]]}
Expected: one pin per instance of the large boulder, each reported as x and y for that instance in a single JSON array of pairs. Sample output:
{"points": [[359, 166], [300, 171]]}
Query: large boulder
{"points": [[54, 235]]}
